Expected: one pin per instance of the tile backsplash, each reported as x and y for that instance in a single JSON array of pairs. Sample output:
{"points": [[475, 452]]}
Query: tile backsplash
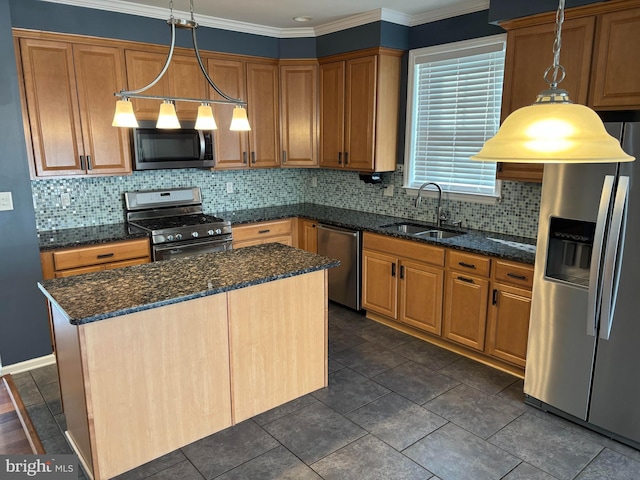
{"points": [[99, 200]]}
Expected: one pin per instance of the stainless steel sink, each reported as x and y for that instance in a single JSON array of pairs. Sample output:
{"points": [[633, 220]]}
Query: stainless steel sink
{"points": [[418, 230]]}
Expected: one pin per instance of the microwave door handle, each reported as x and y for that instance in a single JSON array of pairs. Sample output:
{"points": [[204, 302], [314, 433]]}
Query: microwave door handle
{"points": [[596, 258], [613, 257], [202, 144]]}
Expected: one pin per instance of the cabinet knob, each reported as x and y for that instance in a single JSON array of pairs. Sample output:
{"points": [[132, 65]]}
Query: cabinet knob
{"points": [[346, 158], [284, 156], [340, 158], [253, 157], [244, 157]]}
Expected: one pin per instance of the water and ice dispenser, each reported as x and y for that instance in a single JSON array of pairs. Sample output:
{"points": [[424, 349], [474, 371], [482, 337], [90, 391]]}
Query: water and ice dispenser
{"points": [[569, 250]]}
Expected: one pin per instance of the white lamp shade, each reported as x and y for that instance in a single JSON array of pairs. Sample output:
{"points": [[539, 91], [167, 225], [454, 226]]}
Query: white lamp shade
{"points": [[124, 116], [553, 133], [205, 120], [240, 122], [167, 117]]}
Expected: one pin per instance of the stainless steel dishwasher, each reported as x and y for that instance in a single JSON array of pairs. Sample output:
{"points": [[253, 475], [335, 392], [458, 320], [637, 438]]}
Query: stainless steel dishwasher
{"points": [[344, 245]]}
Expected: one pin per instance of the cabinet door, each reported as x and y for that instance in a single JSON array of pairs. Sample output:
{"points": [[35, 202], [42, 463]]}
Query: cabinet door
{"points": [[379, 283], [332, 114], [529, 53], [100, 73], [142, 68], [262, 109], [509, 324], [465, 314], [308, 236], [186, 80], [421, 289], [52, 104], [616, 75], [299, 115], [360, 114], [231, 147]]}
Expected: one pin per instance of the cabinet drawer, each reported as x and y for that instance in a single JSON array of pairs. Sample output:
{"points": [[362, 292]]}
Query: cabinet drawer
{"points": [[262, 229], [404, 248], [99, 254], [468, 262], [514, 273]]}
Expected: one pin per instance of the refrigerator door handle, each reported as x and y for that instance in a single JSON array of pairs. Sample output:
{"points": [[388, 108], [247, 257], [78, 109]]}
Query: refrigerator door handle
{"points": [[598, 245], [613, 258]]}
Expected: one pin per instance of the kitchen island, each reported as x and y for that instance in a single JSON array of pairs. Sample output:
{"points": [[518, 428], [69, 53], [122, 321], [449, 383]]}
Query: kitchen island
{"points": [[153, 357]]}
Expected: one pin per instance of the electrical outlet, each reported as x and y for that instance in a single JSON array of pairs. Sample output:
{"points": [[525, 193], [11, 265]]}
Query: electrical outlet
{"points": [[65, 199], [314, 181], [388, 191], [229, 187], [6, 201]]}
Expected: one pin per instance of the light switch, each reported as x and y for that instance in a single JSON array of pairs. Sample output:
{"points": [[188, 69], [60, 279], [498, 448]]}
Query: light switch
{"points": [[229, 187], [6, 201]]}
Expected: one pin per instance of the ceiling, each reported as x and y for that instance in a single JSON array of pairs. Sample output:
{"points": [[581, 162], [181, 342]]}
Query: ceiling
{"points": [[275, 17]]}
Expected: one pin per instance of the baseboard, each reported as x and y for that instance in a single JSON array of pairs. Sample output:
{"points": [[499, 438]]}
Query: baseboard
{"points": [[28, 365]]}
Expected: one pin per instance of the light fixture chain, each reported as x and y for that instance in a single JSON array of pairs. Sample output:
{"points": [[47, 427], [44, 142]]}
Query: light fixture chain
{"points": [[191, 9], [170, 8]]}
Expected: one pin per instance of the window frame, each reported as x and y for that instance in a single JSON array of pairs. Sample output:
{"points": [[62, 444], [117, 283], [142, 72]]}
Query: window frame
{"points": [[439, 50]]}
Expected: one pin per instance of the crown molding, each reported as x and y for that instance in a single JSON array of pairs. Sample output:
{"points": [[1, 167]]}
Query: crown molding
{"points": [[380, 14], [448, 12]]}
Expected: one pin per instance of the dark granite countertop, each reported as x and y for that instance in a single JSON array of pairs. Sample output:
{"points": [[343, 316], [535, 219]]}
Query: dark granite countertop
{"points": [[77, 237], [508, 247], [111, 293]]}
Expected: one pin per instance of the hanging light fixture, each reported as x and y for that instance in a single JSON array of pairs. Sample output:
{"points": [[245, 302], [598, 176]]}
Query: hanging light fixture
{"points": [[553, 129], [125, 117]]}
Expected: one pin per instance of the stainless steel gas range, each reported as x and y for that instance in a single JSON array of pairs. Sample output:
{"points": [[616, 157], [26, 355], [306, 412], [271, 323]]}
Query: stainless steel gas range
{"points": [[176, 223]]}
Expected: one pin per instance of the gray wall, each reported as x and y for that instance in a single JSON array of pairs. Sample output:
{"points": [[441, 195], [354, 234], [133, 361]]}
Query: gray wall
{"points": [[24, 332]]}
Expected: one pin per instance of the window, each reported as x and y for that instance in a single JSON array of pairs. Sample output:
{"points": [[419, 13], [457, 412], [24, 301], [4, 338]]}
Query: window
{"points": [[453, 107]]}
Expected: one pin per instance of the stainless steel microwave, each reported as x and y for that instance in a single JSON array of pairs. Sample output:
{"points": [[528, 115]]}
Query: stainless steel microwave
{"points": [[155, 148]]}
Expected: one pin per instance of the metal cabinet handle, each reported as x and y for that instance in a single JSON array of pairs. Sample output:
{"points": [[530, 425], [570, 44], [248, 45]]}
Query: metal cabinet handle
{"points": [[284, 156], [253, 157], [82, 167], [264, 231], [465, 279], [516, 276], [105, 255], [89, 166], [494, 298], [340, 158], [467, 265], [401, 272], [346, 158], [393, 269], [244, 157]]}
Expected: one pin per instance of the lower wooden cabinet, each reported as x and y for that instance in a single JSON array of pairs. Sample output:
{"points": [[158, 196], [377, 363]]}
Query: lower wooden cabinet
{"points": [[379, 283], [420, 296], [465, 317], [308, 235], [278, 231], [65, 262]]}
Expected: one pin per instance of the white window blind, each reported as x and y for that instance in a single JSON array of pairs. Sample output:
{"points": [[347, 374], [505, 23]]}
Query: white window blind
{"points": [[455, 93]]}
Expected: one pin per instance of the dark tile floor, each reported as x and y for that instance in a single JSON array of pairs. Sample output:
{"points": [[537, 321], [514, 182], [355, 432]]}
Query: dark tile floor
{"points": [[396, 408]]}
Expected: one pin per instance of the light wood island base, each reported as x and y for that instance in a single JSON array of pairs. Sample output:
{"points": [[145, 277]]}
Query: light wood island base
{"points": [[138, 386]]}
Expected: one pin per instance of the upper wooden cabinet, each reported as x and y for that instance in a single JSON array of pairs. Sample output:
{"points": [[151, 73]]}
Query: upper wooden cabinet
{"points": [[599, 55], [359, 97], [257, 84], [299, 114], [183, 79], [68, 97]]}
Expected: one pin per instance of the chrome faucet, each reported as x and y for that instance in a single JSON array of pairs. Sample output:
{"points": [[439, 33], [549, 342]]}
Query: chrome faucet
{"points": [[440, 215]]}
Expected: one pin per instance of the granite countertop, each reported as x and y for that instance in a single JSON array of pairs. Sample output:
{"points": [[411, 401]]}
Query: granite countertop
{"points": [[508, 247], [111, 293], [93, 235]]}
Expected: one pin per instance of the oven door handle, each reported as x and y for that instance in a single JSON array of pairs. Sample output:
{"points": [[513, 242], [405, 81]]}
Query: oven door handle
{"points": [[202, 144]]}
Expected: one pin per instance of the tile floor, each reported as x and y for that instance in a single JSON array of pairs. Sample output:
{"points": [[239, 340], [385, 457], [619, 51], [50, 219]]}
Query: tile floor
{"points": [[396, 408]]}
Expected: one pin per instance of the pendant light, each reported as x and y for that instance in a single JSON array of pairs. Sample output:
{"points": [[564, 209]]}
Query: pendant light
{"points": [[553, 129], [124, 115]]}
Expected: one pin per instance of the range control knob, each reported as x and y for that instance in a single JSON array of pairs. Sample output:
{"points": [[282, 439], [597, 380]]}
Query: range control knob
{"points": [[194, 234], [218, 231], [178, 236], [211, 232], [170, 238]]}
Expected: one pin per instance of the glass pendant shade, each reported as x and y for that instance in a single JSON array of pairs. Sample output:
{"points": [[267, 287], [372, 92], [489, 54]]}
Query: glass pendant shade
{"points": [[205, 120], [240, 122], [548, 132], [124, 116], [167, 117]]}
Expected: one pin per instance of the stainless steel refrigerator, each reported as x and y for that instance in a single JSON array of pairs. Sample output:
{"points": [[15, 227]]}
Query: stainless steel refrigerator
{"points": [[583, 357]]}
